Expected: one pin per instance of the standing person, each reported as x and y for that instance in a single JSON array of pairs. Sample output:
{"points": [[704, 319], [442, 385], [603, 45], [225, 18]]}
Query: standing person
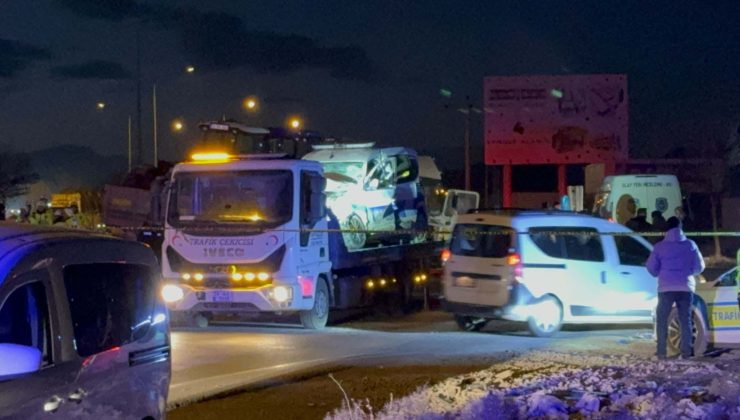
{"points": [[681, 215], [675, 261], [58, 218], [639, 223], [71, 217], [659, 222], [41, 216]]}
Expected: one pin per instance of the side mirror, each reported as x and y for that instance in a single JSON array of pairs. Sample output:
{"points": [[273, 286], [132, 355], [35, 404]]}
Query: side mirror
{"points": [[16, 359], [373, 184]]}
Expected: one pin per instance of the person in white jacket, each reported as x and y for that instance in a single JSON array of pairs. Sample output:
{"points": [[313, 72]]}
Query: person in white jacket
{"points": [[675, 261]]}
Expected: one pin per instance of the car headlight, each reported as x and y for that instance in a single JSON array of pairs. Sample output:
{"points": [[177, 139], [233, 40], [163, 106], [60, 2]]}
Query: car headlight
{"points": [[281, 294], [172, 293]]}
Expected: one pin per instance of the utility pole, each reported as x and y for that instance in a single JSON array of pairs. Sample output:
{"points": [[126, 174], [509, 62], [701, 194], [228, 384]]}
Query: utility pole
{"points": [[469, 109], [140, 136], [154, 115], [129, 143], [467, 147]]}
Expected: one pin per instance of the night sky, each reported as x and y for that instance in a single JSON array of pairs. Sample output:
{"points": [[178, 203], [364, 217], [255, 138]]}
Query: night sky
{"points": [[367, 70]]}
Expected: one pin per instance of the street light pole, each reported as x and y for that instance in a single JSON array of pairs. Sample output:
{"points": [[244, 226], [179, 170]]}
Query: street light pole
{"points": [[139, 137], [129, 143], [154, 117], [467, 147], [469, 109]]}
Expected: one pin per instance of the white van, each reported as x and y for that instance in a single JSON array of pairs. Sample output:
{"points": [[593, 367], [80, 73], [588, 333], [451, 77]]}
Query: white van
{"points": [[546, 269], [620, 196]]}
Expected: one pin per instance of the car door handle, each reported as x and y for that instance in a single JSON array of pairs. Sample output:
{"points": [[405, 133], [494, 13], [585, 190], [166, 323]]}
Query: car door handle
{"points": [[52, 404], [626, 273], [77, 395], [603, 277]]}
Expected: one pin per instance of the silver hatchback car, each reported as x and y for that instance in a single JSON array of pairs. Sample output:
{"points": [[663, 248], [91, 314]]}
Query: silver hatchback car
{"points": [[83, 330]]}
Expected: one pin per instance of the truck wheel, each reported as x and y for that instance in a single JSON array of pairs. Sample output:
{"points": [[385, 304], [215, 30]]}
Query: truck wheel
{"points": [[469, 323], [316, 317], [698, 330], [356, 237], [546, 318]]}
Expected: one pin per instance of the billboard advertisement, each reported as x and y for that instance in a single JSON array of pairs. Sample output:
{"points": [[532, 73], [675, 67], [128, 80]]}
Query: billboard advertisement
{"points": [[555, 119]]}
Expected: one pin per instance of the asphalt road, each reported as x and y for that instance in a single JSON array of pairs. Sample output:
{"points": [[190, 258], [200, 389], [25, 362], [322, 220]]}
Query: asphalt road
{"points": [[227, 357]]}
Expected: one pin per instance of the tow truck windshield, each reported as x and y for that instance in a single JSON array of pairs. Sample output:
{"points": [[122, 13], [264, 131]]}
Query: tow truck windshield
{"points": [[255, 198]]}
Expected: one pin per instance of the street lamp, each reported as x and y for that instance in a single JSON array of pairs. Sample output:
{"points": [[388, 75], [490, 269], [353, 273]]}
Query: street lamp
{"points": [[177, 125], [190, 69], [100, 105], [295, 123], [250, 103]]}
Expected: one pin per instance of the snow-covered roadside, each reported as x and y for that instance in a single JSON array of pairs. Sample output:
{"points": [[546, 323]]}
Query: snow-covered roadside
{"points": [[577, 385]]}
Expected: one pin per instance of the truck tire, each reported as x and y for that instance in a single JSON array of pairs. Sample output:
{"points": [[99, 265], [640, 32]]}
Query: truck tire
{"points": [[316, 317]]}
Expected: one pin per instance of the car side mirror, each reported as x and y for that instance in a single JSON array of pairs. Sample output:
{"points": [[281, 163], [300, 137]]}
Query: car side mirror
{"points": [[16, 359], [373, 184]]}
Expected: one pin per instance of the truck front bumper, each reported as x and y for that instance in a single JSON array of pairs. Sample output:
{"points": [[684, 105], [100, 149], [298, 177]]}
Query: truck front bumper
{"points": [[263, 299]]}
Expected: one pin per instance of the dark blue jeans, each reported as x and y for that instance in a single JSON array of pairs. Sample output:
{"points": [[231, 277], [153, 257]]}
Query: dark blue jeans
{"points": [[683, 305]]}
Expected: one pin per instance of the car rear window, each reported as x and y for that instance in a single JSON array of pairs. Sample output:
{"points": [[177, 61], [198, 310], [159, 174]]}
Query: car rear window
{"points": [[486, 241], [109, 302]]}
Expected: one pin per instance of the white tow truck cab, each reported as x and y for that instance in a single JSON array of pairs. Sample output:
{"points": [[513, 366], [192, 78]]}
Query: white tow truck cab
{"points": [[234, 238], [252, 233]]}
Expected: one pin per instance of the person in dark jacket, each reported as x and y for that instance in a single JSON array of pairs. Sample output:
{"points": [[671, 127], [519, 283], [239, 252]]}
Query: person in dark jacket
{"points": [[659, 222], [675, 261], [639, 223]]}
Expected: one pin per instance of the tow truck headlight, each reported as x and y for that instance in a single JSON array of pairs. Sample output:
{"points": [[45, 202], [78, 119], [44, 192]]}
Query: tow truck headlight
{"points": [[262, 276], [172, 293], [281, 294]]}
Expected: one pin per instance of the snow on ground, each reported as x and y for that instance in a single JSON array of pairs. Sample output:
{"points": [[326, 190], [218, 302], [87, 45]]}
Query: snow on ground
{"points": [[547, 384]]}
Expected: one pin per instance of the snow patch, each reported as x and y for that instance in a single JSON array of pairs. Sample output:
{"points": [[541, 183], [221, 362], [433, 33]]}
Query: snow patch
{"points": [[555, 385]]}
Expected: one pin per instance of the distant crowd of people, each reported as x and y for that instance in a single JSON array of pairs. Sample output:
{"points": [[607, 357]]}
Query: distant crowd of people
{"points": [[639, 223], [44, 215]]}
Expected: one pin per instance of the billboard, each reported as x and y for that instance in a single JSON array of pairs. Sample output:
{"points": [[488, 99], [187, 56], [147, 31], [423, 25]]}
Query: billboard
{"points": [[555, 119]]}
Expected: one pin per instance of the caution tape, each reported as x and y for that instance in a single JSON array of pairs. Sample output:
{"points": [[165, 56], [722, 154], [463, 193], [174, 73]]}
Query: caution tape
{"points": [[430, 231]]}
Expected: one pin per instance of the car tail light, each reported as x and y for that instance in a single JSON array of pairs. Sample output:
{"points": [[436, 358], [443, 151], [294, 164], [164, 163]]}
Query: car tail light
{"points": [[445, 255], [514, 261]]}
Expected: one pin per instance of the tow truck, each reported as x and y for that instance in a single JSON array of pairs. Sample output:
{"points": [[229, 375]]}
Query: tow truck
{"points": [[252, 234]]}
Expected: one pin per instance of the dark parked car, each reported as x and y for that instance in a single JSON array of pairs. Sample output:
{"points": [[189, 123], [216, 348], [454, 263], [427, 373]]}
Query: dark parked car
{"points": [[83, 329]]}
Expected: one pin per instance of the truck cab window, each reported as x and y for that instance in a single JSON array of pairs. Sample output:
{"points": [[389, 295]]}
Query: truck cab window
{"points": [[24, 319]]}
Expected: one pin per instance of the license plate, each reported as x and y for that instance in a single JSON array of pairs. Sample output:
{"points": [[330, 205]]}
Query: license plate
{"points": [[221, 296], [464, 281]]}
